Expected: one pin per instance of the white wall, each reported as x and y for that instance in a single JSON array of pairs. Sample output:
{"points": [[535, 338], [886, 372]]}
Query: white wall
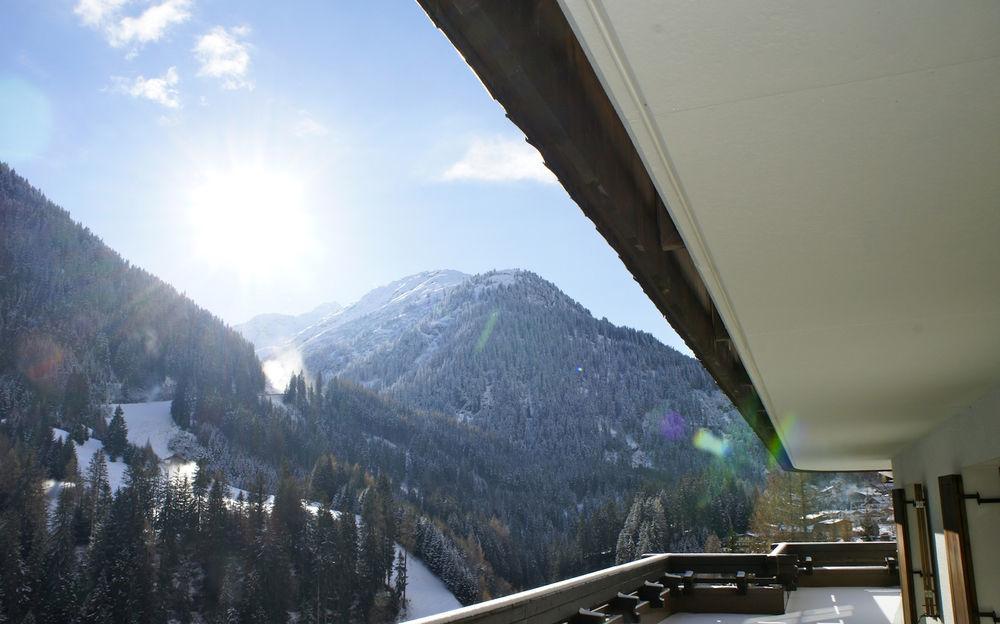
{"points": [[968, 444]]}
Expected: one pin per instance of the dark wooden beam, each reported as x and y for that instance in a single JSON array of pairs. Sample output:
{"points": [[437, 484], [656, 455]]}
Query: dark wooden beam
{"points": [[958, 549], [905, 558], [528, 57]]}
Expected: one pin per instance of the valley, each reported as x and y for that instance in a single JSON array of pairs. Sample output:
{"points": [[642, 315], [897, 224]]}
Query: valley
{"points": [[488, 424]]}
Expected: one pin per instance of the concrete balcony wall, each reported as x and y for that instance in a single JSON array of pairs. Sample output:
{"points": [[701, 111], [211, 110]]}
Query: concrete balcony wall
{"points": [[654, 588]]}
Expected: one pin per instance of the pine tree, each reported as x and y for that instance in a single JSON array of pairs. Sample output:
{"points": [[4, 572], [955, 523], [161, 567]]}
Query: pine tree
{"points": [[326, 560], [288, 518], [347, 580], [323, 482], [98, 490], [180, 407], [199, 491], [215, 541], [78, 433], [116, 442], [625, 549], [400, 581], [121, 564], [59, 601], [387, 511]]}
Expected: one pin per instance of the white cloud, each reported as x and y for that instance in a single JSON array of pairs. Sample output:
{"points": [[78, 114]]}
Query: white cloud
{"points": [[120, 31], [306, 126], [223, 56], [151, 25], [98, 12], [499, 159], [160, 90]]}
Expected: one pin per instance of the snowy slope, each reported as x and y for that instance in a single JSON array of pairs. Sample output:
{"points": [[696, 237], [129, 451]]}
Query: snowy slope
{"points": [[146, 422], [362, 327], [395, 297], [275, 329], [151, 422], [425, 593], [86, 451]]}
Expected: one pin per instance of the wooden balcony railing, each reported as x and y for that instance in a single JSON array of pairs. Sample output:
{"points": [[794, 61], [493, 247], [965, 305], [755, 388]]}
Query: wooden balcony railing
{"points": [[656, 586]]}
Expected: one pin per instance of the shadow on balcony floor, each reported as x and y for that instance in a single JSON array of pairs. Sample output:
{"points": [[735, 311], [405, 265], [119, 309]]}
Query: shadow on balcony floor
{"points": [[817, 605]]}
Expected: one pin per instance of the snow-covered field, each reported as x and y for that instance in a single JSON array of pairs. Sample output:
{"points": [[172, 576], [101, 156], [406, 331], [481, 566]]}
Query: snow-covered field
{"points": [[425, 593], [146, 422], [150, 422]]}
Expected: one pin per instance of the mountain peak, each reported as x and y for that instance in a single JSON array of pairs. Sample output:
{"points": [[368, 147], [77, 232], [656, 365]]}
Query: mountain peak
{"points": [[411, 289]]}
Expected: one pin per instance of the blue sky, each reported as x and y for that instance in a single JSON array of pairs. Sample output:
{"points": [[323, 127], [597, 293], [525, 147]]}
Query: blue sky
{"points": [[272, 156]]}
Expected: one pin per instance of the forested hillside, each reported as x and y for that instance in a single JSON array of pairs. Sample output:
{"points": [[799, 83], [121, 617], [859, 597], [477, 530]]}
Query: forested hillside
{"points": [[510, 353], [76, 319], [565, 410], [81, 330]]}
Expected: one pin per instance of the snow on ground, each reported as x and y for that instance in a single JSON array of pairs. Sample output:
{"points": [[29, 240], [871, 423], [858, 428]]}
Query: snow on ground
{"points": [[145, 422], [152, 422], [426, 594], [86, 451]]}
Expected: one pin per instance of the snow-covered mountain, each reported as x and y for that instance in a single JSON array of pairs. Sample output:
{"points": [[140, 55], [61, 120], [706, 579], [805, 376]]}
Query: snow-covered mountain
{"points": [[520, 392], [509, 352], [274, 329], [331, 337]]}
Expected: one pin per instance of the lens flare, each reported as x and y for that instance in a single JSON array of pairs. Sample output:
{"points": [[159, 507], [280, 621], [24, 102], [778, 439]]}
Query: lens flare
{"points": [[39, 358], [672, 426], [789, 432], [485, 336], [707, 441], [25, 120]]}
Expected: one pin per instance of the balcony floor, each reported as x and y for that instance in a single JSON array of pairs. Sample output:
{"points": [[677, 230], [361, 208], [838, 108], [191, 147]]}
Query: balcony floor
{"points": [[817, 605]]}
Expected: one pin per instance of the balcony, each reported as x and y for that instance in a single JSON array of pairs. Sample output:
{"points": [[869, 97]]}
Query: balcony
{"points": [[844, 582]]}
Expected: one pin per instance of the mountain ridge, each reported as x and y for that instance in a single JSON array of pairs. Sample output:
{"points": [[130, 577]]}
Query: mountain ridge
{"points": [[586, 409]]}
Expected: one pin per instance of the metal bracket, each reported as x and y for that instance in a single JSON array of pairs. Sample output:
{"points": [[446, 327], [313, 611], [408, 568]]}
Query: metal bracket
{"points": [[981, 500]]}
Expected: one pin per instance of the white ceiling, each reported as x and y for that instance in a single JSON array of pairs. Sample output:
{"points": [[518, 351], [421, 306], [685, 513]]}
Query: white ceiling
{"points": [[834, 170]]}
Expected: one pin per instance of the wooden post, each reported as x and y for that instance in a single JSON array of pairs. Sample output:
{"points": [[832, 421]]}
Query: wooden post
{"points": [[958, 550], [899, 512], [928, 565]]}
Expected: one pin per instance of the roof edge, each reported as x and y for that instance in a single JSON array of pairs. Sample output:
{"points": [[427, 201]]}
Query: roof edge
{"points": [[529, 59]]}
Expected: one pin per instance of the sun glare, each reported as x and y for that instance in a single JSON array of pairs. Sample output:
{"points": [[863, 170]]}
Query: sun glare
{"points": [[250, 220]]}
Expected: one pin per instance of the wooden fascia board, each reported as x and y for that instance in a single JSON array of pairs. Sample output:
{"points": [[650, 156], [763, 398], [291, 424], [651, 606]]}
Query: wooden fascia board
{"points": [[529, 59]]}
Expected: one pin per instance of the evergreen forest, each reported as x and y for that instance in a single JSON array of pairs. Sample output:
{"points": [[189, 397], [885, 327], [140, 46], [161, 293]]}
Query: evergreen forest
{"points": [[488, 425]]}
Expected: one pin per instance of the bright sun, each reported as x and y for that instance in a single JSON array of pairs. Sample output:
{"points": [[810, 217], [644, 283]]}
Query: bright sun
{"points": [[250, 220]]}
